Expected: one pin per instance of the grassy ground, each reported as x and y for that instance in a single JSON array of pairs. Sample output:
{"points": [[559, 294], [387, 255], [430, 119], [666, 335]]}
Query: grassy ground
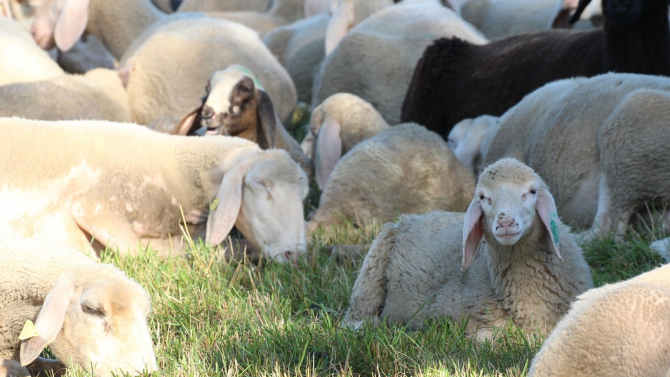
{"points": [[242, 319]]}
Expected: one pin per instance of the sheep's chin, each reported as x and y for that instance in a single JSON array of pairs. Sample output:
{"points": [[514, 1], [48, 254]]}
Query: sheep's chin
{"points": [[509, 239]]}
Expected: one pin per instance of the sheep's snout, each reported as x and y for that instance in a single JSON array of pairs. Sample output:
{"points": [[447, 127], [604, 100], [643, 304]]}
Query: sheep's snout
{"points": [[506, 228], [212, 122]]}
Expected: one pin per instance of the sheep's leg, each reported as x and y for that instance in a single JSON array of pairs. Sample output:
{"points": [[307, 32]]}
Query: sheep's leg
{"points": [[369, 291], [12, 368], [602, 224]]}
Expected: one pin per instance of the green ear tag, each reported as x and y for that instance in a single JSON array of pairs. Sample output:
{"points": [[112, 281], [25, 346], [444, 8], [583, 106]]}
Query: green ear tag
{"points": [[29, 331], [554, 227], [214, 204]]}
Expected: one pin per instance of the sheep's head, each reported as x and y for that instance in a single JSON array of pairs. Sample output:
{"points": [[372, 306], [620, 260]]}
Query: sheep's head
{"points": [[623, 12], [262, 196], [235, 104], [511, 202], [60, 23], [95, 317], [467, 137]]}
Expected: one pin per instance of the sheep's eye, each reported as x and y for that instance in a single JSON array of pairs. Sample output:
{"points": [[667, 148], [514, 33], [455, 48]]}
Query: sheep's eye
{"points": [[481, 197], [533, 191], [98, 312]]}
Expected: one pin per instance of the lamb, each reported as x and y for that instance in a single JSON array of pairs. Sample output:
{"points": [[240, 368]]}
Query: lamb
{"points": [[98, 94], [127, 186], [224, 5], [148, 66], [237, 105], [484, 80], [282, 12], [503, 18], [89, 313], [346, 121], [403, 169], [620, 329], [299, 47], [529, 269], [21, 60], [401, 31]]}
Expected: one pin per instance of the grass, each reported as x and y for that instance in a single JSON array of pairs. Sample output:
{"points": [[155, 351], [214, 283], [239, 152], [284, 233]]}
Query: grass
{"points": [[242, 319]]}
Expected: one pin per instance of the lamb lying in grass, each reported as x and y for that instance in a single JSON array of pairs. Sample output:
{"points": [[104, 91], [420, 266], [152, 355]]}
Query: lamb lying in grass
{"points": [[128, 187], [620, 329], [89, 313], [529, 269]]}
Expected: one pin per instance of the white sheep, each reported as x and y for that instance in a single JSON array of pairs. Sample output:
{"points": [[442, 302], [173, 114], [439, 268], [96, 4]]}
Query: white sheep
{"points": [[467, 137], [281, 12], [87, 313], [558, 131], [337, 125], [127, 186], [98, 94], [386, 47], [528, 270], [151, 49], [346, 14], [299, 47], [21, 60], [236, 104], [620, 329], [224, 5], [503, 18], [403, 169]]}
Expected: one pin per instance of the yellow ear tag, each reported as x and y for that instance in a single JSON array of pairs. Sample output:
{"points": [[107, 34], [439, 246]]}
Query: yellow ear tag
{"points": [[214, 204], [29, 331]]}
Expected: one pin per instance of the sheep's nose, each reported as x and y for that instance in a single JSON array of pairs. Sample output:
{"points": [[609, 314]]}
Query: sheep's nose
{"points": [[207, 112], [505, 220]]}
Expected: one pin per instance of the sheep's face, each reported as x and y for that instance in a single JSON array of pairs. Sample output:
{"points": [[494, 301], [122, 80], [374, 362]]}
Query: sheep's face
{"points": [[272, 216], [623, 11], [104, 323], [467, 137], [510, 203]]}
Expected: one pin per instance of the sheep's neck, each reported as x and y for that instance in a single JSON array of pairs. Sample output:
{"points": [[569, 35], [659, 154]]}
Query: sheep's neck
{"points": [[643, 48], [519, 273], [117, 23]]}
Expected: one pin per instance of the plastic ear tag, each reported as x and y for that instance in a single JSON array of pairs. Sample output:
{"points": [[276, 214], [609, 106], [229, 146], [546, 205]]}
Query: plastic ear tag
{"points": [[29, 331], [214, 204]]}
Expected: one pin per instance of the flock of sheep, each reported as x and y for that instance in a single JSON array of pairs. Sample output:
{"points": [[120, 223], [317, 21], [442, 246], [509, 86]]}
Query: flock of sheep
{"points": [[484, 124]]}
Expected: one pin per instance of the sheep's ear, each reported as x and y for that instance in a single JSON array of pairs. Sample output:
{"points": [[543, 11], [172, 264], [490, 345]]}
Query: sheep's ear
{"points": [[580, 8], [339, 25], [328, 151], [71, 23], [267, 120], [562, 17], [124, 74], [49, 322], [5, 9], [226, 207], [472, 232], [189, 121], [546, 208]]}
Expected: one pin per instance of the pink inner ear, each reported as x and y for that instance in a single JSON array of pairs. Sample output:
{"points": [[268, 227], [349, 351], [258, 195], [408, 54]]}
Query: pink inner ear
{"points": [[472, 232], [328, 151], [338, 26], [546, 208]]}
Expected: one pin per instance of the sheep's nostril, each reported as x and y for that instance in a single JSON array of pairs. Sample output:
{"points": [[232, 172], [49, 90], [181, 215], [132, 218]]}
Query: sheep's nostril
{"points": [[207, 112]]}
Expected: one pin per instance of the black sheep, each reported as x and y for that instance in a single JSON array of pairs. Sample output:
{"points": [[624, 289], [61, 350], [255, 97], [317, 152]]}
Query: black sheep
{"points": [[455, 80]]}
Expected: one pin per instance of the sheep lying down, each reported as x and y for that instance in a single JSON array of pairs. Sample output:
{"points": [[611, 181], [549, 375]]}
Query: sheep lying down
{"points": [[620, 329], [89, 313], [127, 187], [528, 270]]}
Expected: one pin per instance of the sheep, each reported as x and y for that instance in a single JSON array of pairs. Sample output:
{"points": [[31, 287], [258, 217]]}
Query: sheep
{"points": [[485, 80], [282, 12], [98, 94], [314, 7], [346, 121], [88, 313], [528, 270], [346, 15], [299, 47], [149, 65], [235, 104], [503, 18], [21, 60], [401, 31], [403, 169], [167, 6], [620, 329], [467, 137], [128, 186], [224, 5]]}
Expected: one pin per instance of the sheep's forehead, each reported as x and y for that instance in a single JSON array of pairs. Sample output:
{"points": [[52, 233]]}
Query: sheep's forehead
{"points": [[279, 168], [508, 172], [229, 77]]}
